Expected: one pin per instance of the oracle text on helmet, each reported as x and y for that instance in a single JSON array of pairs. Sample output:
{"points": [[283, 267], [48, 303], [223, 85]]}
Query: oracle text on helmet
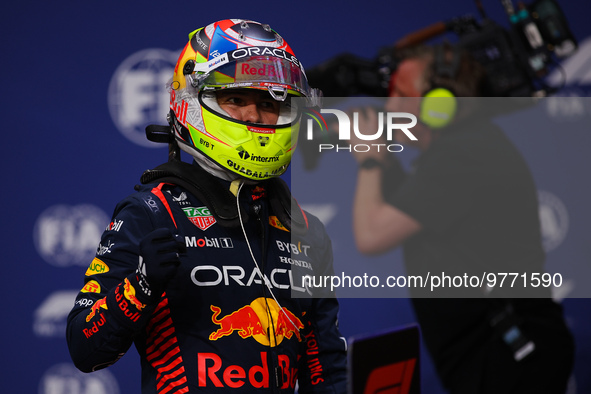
{"points": [[263, 51]]}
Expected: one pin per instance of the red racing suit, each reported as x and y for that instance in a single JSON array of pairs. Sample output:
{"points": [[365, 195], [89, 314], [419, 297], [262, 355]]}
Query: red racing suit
{"points": [[224, 323]]}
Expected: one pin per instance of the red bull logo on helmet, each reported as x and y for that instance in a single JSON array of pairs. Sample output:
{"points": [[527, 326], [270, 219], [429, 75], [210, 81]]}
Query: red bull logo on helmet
{"points": [[264, 320]]}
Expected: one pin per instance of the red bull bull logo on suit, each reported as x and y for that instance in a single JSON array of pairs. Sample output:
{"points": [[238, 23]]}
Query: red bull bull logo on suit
{"points": [[264, 320]]}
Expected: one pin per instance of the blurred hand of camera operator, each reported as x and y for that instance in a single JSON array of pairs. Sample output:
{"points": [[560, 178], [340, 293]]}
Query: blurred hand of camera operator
{"points": [[377, 225]]}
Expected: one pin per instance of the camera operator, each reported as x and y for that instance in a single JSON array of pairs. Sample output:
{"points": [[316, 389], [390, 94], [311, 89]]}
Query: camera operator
{"points": [[468, 204]]}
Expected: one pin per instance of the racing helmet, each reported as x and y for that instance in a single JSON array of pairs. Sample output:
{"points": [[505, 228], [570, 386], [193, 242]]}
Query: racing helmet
{"points": [[238, 54]]}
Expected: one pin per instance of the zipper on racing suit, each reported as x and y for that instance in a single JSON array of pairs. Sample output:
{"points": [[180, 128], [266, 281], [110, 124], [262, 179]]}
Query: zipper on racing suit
{"points": [[277, 373]]}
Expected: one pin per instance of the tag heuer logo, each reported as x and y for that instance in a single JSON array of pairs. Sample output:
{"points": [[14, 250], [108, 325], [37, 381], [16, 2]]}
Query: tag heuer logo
{"points": [[200, 217]]}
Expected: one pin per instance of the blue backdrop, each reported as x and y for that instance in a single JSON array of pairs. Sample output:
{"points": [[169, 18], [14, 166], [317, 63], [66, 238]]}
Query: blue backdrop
{"points": [[81, 80]]}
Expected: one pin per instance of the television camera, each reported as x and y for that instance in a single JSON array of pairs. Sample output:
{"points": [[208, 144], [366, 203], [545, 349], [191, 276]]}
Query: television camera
{"points": [[516, 59]]}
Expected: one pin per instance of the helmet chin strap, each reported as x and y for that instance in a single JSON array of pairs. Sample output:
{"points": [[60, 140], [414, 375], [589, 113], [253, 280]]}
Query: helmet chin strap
{"points": [[211, 167], [214, 169]]}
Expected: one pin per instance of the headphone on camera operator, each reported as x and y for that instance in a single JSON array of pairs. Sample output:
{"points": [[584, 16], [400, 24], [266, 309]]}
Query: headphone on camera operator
{"points": [[452, 73]]}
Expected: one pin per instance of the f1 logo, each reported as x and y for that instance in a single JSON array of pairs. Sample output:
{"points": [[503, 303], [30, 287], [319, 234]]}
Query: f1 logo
{"points": [[391, 379]]}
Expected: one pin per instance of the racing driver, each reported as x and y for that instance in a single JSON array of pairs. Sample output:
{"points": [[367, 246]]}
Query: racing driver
{"points": [[201, 268]]}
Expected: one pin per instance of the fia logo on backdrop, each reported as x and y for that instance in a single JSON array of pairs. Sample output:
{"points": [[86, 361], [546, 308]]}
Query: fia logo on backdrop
{"points": [[67, 235], [554, 220], [137, 94], [65, 378]]}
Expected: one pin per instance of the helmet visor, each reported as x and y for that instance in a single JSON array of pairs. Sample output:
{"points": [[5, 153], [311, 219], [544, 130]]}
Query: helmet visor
{"points": [[287, 110], [258, 71]]}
